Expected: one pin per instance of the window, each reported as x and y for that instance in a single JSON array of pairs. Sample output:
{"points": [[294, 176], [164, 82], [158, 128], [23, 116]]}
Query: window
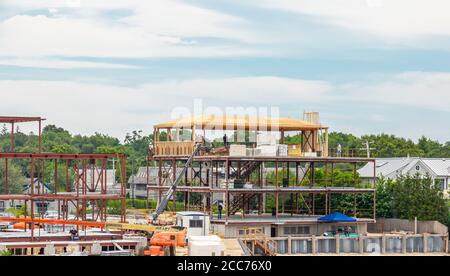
{"points": [[417, 168], [195, 223], [42, 207], [251, 231], [141, 187], [18, 252], [342, 229], [296, 230], [441, 183]]}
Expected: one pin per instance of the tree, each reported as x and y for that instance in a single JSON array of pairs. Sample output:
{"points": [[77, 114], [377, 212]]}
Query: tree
{"points": [[411, 196], [16, 180], [6, 252], [4, 130], [384, 145]]}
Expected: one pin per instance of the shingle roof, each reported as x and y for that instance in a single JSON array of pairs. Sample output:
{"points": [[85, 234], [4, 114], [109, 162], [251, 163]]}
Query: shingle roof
{"points": [[387, 166], [440, 166]]}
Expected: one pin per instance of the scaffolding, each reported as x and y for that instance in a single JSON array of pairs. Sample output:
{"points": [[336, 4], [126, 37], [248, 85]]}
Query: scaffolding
{"points": [[13, 121], [69, 184], [290, 180], [294, 180]]}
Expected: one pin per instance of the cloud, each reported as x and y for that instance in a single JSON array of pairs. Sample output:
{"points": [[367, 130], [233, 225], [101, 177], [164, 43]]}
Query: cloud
{"points": [[159, 28], [395, 19], [87, 108], [355, 107], [53, 63], [425, 90]]}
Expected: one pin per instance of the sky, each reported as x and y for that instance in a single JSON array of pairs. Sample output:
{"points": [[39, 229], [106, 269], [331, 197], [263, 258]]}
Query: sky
{"points": [[110, 66]]}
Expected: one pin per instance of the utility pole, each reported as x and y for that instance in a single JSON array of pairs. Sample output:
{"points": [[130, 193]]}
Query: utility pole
{"points": [[113, 169], [367, 148]]}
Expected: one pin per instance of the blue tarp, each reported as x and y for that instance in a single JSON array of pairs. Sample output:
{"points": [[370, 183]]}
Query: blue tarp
{"points": [[336, 217]]}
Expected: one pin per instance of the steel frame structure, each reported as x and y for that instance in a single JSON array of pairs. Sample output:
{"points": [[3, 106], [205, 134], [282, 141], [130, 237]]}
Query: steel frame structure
{"points": [[205, 179], [13, 121], [92, 193]]}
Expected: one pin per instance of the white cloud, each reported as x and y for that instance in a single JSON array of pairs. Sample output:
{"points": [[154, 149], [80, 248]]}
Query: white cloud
{"points": [[87, 108], [417, 89], [38, 36], [53, 63], [159, 28], [392, 18]]}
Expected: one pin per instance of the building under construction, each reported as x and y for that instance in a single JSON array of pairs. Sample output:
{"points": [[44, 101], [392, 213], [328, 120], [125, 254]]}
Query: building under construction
{"points": [[73, 195], [244, 179], [280, 189]]}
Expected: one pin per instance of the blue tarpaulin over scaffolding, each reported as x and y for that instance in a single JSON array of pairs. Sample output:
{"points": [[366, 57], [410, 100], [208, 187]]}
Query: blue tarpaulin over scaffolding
{"points": [[337, 217]]}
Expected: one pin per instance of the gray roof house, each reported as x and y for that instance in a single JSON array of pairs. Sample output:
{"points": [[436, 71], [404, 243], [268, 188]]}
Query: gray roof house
{"points": [[391, 168]]}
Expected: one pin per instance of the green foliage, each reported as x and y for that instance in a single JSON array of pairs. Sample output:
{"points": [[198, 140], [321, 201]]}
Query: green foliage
{"points": [[6, 253], [16, 212], [15, 178], [59, 140], [341, 178], [114, 205], [412, 196], [384, 145]]}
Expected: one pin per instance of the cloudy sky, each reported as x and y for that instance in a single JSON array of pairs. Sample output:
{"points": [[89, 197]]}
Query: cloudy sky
{"points": [[113, 66]]}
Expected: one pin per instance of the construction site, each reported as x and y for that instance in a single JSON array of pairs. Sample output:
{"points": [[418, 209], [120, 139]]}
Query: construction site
{"points": [[248, 195]]}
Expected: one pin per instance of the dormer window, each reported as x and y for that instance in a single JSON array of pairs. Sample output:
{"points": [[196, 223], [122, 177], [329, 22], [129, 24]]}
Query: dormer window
{"points": [[417, 168]]}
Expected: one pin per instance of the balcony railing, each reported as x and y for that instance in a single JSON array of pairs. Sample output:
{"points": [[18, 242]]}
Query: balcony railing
{"points": [[177, 148]]}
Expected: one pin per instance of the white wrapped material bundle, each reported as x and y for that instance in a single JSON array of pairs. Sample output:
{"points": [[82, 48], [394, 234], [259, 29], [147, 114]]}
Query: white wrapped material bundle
{"points": [[265, 139], [238, 150], [282, 150], [205, 246], [267, 150]]}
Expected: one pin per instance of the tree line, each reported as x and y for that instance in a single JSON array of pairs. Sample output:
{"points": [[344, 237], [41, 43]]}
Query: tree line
{"points": [[384, 145]]}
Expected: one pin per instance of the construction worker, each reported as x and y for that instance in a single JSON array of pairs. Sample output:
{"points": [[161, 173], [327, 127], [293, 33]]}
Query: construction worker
{"points": [[73, 234], [219, 208], [225, 140], [339, 150]]}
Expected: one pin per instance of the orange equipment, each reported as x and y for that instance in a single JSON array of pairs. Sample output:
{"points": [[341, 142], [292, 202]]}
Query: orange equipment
{"points": [[165, 241], [23, 225]]}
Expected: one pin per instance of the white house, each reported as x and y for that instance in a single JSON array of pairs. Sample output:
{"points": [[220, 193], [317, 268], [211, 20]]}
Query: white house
{"points": [[391, 168], [138, 183], [39, 206], [94, 177]]}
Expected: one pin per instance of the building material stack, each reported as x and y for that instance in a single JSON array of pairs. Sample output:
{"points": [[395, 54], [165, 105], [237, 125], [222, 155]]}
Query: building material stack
{"points": [[266, 145]]}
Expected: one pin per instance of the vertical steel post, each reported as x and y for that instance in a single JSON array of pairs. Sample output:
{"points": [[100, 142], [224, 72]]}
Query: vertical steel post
{"points": [[12, 138]]}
